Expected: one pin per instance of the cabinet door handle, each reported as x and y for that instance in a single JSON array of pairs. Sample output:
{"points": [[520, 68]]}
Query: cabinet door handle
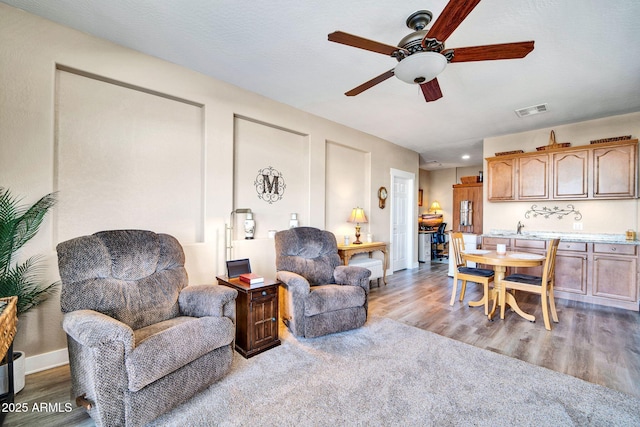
{"points": [[264, 293], [613, 249]]}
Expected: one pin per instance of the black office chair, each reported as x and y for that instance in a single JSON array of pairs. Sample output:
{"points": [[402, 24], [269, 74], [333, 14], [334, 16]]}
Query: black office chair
{"points": [[439, 243]]}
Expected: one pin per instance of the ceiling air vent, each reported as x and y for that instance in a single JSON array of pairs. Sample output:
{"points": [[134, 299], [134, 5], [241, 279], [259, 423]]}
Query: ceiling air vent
{"points": [[528, 111]]}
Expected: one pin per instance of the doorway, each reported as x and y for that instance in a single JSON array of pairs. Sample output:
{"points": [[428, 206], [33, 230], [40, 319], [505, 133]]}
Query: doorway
{"points": [[403, 219]]}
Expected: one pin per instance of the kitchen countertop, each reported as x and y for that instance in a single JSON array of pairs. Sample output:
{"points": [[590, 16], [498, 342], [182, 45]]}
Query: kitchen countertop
{"points": [[565, 237]]}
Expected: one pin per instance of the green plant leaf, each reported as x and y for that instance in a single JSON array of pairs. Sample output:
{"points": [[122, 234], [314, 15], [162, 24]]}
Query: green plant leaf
{"points": [[18, 224]]}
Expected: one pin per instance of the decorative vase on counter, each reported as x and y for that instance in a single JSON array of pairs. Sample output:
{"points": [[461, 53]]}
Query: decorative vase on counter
{"points": [[293, 222], [249, 226]]}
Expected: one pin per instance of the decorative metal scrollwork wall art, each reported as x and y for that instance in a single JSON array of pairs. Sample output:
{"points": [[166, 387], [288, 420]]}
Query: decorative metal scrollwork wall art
{"points": [[270, 185], [547, 212]]}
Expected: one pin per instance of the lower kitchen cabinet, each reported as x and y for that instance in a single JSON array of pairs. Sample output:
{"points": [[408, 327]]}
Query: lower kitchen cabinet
{"points": [[571, 268], [591, 272], [614, 272]]}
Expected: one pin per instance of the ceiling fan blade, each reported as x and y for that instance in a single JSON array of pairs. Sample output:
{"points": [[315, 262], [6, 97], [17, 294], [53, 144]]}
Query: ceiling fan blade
{"points": [[431, 90], [452, 15], [371, 83], [362, 43], [492, 51]]}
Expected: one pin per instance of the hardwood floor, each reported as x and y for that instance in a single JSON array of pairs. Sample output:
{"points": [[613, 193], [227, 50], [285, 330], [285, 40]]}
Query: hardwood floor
{"points": [[598, 344]]}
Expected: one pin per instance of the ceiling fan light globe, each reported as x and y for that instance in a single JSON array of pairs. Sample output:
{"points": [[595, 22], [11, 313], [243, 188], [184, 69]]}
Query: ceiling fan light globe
{"points": [[420, 67]]}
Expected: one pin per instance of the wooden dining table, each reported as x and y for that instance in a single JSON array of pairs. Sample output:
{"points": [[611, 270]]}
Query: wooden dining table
{"points": [[500, 262]]}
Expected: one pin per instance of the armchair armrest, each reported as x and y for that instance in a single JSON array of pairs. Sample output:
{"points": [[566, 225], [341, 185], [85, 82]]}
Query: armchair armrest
{"points": [[207, 300], [352, 275], [294, 282], [91, 328]]}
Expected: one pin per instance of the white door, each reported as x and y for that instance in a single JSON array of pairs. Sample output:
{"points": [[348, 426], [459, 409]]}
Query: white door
{"points": [[402, 219]]}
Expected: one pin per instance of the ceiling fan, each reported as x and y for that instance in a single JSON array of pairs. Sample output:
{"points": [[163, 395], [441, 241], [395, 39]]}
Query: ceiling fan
{"points": [[422, 56]]}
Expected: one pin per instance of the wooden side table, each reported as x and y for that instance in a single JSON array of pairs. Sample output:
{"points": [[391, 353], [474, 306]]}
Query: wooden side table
{"points": [[347, 251], [256, 315]]}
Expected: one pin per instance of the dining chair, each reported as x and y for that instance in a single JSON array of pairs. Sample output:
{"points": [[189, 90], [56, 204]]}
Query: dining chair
{"points": [[537, 285], [462, 272]]}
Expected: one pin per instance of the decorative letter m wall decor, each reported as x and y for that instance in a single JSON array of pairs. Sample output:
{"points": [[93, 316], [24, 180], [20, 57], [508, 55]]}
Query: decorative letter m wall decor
{"points": [[270, 185]]}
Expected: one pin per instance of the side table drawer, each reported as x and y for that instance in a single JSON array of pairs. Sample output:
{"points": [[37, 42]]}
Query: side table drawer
{"points": [[269, 292]]}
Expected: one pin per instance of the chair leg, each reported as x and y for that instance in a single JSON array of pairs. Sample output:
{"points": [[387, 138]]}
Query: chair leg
{"points": [[463, 289], [545, 310], [552, 303], [486, 298], [455, 288]]}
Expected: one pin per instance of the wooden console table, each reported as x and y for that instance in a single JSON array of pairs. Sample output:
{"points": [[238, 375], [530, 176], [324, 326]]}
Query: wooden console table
{"points": [[347, 251], [256, 315]]}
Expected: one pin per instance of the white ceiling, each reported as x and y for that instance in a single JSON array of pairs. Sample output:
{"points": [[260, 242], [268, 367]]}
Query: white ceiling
{"points": [[585, 65]]}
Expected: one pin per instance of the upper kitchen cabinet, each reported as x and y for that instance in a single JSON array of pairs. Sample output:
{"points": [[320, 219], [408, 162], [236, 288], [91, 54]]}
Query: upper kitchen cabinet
{"points": [[501, 179], [533, 177], [615, 172], [597, 171], [570, 174]]}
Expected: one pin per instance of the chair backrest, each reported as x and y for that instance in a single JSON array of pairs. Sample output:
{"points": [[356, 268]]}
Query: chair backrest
{"points": [[440, 234], [456, 241], [134, 276], [309, 252], [550, 261]]}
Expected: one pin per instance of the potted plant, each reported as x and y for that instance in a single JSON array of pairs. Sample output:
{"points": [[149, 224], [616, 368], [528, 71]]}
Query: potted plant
{"points": [[18, 224]]}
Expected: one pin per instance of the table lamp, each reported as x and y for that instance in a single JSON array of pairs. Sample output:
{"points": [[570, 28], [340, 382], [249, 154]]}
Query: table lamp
{"points": [[357, 216], [435, 206]]}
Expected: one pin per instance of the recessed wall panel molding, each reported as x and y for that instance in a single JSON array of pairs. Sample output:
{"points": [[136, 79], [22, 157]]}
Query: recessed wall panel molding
{"points": [[346, 188], [126, 157], [271, 176]]}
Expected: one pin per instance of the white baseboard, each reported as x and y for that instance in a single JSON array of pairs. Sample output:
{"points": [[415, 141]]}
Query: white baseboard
{"points": [[44, 361]]}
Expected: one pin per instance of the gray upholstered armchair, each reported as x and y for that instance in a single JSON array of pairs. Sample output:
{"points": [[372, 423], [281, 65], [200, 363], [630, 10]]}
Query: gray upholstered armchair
{"points": [[140, 340], [319, 295]]}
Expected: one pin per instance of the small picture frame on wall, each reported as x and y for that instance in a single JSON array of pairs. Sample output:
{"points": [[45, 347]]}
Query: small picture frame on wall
{"points": [[420, 197]]}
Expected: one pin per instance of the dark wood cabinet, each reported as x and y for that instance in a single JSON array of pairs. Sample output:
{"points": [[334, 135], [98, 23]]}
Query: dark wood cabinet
{"points": [[256, 315], [597, 171], [473, 193]]}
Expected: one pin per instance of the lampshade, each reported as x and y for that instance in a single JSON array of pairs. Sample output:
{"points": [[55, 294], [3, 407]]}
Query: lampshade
{"points": [[358, 216], [420, 67], [435, 206]]}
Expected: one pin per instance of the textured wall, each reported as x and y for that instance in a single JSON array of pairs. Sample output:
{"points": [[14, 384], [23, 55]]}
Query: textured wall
{"points": [[31, 49]]}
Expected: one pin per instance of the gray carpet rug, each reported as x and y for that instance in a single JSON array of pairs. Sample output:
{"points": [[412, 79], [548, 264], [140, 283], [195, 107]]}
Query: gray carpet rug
{"points": [[389, 374]]}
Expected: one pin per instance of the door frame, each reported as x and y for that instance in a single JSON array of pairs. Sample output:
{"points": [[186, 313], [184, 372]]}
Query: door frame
{"points": [[412, 219]]}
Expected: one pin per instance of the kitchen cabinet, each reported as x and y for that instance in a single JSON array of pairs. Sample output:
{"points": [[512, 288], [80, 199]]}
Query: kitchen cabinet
{"points": [[614, 271], [570, 175], [472, 193], [532, 246], [571, 268], [597, 171], [591, 272], [614, 172], [501, 179], [532, 177]]}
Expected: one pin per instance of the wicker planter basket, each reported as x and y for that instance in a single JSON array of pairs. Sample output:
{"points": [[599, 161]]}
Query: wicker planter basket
{"points": [[8, 323]]}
